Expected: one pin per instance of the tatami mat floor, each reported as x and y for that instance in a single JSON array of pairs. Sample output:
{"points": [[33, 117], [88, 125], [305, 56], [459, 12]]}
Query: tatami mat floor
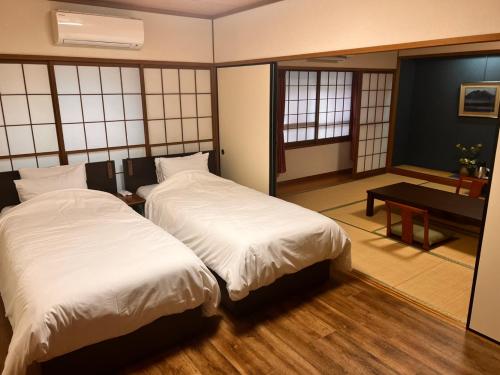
{"points": [[440, 278]]}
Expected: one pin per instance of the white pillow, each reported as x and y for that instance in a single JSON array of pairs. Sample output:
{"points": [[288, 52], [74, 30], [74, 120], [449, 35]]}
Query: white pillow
{"points": [[30, 188], [159, 174], [167, 167], [34, 173]]}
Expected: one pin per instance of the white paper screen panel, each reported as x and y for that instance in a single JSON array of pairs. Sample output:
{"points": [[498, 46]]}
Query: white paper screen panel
{"points": [[101, 113], [179, 110], [300, 106], [374, 119], [335, 99], [28, 136]]}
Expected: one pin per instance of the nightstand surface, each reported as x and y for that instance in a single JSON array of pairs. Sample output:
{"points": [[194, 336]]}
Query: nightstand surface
{"points": [[132, 200]]}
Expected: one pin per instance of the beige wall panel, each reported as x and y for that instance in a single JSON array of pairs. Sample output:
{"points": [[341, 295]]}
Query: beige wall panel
{"points": [[310, 161], [25, 28], [243, 95], [485, 316], [293, 27]]}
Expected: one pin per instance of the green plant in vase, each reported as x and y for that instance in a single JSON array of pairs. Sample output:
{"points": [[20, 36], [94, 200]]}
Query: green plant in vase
{"points": [[468, 158]]}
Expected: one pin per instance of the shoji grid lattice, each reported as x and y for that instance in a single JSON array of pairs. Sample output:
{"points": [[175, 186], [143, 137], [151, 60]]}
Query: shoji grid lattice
{"points": [[28, 136], [101, 113], [374, 121], [179, 110], [335, 100], [300, 106]]}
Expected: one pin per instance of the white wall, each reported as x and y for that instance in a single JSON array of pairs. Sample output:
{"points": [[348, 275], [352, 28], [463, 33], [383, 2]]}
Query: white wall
{"points": [[25, 28], [485, 316], [294, 27], [310, 161]]}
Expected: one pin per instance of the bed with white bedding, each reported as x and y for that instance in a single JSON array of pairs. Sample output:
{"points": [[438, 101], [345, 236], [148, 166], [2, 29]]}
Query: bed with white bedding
{"points": [[78, 267], [248, 238]]}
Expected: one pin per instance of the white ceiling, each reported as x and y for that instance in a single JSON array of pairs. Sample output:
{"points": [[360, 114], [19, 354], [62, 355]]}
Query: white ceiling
{"points": [[194, 8]]}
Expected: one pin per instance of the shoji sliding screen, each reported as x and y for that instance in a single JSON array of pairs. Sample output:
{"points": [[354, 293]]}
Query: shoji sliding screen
{"points": [[101, 113], [179, 110], [374, 116], [54, 112], [28, 136]]}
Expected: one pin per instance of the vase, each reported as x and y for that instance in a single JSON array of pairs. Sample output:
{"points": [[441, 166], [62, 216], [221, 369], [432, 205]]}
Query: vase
{"points": [[464, 171]]}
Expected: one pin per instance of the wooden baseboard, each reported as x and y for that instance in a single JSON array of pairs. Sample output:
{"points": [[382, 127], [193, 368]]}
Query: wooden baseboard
{"points": [[386, 289], [316, 177], [423, 176], [372, 173]]}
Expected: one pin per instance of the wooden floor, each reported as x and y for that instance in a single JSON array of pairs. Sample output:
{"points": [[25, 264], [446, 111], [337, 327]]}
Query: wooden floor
{"points": [[348, 326]]}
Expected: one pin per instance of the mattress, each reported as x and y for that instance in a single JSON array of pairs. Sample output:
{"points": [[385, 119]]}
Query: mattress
{"points": [[248, 238], [79, 266]]}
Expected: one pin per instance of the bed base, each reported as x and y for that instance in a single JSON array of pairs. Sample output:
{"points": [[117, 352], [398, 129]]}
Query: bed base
{"points": [[286, 285], [113, 355]]}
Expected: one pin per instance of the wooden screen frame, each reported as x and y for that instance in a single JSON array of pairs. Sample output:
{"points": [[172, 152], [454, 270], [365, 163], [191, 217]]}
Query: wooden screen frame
{"points": [[323, 141], [390, 140], [213, 93], [60, 140], [52, 61]]}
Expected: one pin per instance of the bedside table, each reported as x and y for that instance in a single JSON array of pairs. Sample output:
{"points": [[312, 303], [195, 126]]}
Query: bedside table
{"points": [[134, 201]]}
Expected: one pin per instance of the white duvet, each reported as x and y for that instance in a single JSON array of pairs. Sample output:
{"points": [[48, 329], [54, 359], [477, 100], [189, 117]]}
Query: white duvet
{"points": [[248, 238], [78, 267]]}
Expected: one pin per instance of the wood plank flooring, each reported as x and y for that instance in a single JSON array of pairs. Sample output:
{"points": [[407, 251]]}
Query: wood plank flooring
{"points": [[345, 327]]}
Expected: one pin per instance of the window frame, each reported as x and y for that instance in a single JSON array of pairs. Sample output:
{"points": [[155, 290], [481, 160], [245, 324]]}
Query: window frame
{"points": [[321, 141]]}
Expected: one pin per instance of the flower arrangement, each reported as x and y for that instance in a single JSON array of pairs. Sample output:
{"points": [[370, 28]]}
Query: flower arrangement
{"points": [[468, 157]]}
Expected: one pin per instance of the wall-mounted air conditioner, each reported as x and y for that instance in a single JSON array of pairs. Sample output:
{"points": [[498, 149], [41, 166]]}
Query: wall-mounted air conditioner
{"points": [[97, 30]]}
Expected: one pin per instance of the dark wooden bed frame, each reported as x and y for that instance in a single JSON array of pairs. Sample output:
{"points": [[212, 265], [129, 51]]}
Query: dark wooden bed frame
{"points": [[141, 171], [100, 176], [111, 355]]}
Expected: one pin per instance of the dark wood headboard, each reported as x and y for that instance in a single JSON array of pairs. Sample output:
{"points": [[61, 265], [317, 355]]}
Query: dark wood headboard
{"points": [[141, 171], [100, 176]]}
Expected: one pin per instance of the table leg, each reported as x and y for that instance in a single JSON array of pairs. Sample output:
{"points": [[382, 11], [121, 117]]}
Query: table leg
{"points": [[369, 204]]}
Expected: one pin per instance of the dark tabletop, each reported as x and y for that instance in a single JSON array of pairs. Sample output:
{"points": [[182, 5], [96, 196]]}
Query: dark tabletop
{"points": [[432, 199]]}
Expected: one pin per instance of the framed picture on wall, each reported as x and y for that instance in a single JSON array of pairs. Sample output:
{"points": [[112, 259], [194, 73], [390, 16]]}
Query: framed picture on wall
{"points": [[479, 99]]}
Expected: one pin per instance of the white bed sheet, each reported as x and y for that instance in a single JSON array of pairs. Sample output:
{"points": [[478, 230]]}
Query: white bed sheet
{"points": [[145, 191], [6, 209], [248, 238], [78, 267]]}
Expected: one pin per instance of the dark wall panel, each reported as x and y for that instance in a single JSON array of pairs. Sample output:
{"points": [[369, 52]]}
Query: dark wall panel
{"points": [[428, 126]]}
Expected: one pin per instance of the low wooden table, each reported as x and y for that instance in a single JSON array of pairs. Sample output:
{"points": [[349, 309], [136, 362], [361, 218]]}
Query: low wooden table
{"points": [[439, 203]]}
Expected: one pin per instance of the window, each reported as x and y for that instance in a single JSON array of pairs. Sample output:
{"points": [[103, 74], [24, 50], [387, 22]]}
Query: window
{"points": [[317, 106], [101, 114], [27, 126], [179, 110]]}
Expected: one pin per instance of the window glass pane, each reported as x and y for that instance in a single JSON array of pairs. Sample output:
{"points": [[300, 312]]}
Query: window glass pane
{"points": [[131, 80], [90, 81], [203, 81], [37, 79]]}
